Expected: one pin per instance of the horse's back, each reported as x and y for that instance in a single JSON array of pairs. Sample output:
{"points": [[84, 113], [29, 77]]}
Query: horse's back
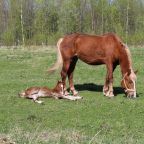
{"points": [[91, 49], [81, 40], [99, 40]]}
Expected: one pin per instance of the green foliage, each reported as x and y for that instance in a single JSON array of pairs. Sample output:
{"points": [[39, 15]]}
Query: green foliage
{"points": [[7, 37], [43, 20], [94, 119]]}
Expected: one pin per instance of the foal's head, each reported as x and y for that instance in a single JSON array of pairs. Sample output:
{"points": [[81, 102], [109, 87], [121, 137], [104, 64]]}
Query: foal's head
{"points": [[129, 83], [59, 88]]}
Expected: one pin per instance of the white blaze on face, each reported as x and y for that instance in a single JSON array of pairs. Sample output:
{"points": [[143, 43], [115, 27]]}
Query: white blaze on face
{"points": [[134, 89], [133, 78], [62, 92]]}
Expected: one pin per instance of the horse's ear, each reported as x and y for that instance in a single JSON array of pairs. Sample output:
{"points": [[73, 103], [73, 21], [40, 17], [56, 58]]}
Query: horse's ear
{"points": [[129, 72], [136, 71]]}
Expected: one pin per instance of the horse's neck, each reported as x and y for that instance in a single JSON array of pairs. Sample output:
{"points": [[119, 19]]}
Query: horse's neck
{"points": [[125, 63], [54, 90]]}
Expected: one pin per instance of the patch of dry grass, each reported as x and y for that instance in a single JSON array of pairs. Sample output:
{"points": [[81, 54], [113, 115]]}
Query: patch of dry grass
{"points": [[19, 136]]}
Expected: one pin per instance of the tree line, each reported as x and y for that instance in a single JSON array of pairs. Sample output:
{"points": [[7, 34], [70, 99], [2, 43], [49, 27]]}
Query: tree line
{"points": [[42, 22]]}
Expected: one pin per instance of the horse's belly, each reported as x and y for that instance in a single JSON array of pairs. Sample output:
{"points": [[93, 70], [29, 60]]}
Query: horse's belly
{"points": [[92, 60], [95, 62], [42, 93], [91, 55]]}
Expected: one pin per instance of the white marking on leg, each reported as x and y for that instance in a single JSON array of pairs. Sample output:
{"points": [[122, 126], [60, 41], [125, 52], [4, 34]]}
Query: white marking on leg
{"points": [[62, 92], [38, 101], [72, 97]]}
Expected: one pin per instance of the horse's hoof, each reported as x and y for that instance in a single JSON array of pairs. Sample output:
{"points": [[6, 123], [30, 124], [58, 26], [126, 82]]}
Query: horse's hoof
{"points": [[111, 97], [109, 94], [66, 93], [104, 93], [39, 102], [75, 93], [131, 97], [78, 97]]}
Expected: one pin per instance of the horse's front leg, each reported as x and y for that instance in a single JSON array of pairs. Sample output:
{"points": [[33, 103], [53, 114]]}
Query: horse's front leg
{"points": [[64, 75], [70, 75], [108, 87]]}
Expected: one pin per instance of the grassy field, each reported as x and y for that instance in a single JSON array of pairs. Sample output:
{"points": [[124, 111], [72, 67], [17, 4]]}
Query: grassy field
{"points": [[93, 120]]}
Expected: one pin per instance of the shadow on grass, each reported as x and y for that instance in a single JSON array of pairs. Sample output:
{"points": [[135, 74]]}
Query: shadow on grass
{"points": [[96, 88]]}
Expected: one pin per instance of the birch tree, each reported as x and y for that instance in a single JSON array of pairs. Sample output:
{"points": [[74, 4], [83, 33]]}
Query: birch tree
{"points": [[22, 24]]}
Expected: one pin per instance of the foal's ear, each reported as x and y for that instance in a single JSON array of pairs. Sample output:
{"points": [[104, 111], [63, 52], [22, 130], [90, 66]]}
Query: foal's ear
{"points": [[136, 71], [59, 81]]}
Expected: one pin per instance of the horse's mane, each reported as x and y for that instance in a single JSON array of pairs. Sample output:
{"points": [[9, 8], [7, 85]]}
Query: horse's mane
{"points": [[133, 76], [129, 55]]}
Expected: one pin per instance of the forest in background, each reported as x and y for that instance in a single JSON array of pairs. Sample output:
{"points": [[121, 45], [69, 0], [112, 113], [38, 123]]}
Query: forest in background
{"points": [[43, 22]]}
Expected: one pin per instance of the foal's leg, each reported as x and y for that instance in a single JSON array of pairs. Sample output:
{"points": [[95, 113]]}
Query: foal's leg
{"points": [[108, 87], [64, 71], [70, 75], [35, 98]]}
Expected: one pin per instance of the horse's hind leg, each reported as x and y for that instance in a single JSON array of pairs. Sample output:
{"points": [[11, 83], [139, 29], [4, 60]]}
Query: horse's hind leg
{"points": [[64, 71], [70, 75]]}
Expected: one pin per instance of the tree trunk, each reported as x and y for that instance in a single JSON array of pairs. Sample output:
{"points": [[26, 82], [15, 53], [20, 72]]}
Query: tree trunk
{"points": [[127, 20], [22, 26]]}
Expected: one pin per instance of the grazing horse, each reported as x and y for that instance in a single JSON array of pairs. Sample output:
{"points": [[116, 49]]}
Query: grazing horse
{"points": [[37, 92], [107, 49]]}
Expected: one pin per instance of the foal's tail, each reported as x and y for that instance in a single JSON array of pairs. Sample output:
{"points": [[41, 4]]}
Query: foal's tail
{"points": [[59, 61]]}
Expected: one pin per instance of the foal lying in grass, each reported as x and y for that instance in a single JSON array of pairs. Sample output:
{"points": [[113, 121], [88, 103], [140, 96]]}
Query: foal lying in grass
{"points": [[37, 92]]}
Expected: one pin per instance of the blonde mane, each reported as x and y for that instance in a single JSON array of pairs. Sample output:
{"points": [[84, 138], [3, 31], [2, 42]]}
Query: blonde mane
{"points": [[128, 55], [133, 75]]}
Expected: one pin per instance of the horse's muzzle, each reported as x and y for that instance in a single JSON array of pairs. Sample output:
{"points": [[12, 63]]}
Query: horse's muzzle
{"points": [[131, 94]]}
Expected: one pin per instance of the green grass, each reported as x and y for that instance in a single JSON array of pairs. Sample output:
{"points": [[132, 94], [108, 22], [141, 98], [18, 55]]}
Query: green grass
{"points": [[93, 120]]}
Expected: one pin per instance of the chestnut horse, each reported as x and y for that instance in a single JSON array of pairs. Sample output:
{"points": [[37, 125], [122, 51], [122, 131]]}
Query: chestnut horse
{"points": [[107, 49]]}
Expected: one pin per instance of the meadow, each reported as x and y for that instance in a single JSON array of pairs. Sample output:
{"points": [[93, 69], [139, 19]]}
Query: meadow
{"points": [[93, 120]]}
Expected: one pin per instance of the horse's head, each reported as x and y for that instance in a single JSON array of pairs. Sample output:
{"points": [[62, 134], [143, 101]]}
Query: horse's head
{"points": [[129, 83], [60, 87]]}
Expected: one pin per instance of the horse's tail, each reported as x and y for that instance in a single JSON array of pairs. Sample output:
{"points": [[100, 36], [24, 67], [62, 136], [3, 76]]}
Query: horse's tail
{"points": [[59, 61]]}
